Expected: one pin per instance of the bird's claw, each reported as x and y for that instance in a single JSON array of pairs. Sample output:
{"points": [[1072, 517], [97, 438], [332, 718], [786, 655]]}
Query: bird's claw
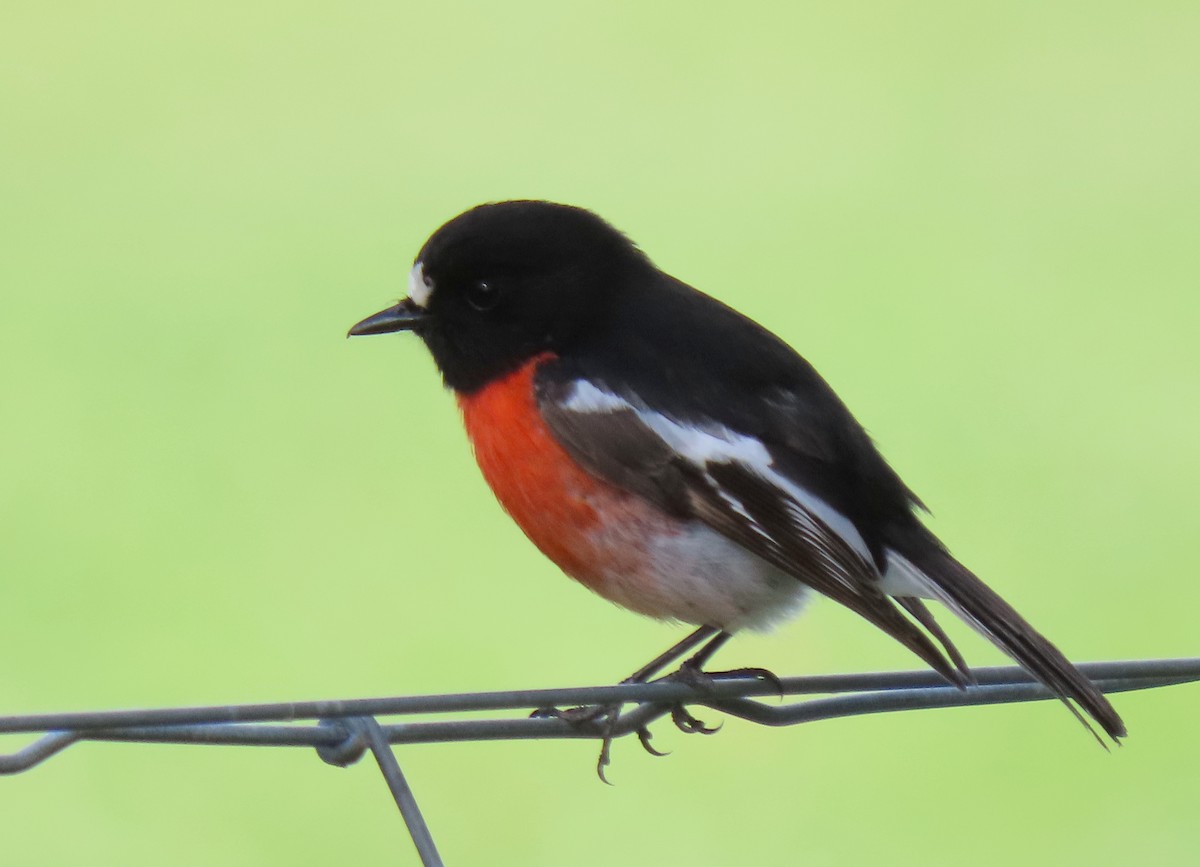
{"points": [[602, 719], [644, 736], [763, 674], [688, 724], [604, 759]]}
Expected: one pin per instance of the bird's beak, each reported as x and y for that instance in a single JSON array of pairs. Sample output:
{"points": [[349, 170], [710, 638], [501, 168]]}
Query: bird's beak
{"points": [[405, 316]]}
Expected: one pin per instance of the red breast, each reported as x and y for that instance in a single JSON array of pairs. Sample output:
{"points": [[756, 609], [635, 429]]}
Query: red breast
{"points": [[595, 532]]}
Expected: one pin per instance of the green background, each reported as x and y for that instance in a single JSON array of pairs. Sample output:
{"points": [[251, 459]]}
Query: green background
{"points": [[980, 221]]}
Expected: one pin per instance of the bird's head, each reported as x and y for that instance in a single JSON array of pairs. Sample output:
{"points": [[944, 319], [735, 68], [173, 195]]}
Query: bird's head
{"points": [[506, 281]]}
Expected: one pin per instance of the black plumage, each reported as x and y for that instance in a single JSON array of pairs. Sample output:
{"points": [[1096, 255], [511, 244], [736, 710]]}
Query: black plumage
{"points": [[515, 280]]}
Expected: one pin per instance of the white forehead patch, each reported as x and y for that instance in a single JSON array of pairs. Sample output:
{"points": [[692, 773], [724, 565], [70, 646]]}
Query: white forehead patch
{"points": [[420, 287]]}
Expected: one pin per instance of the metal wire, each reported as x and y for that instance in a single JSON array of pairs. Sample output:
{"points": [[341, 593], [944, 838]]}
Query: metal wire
{"points": [[345, 729]]}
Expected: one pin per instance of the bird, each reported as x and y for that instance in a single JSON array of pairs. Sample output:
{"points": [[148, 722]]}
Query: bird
{"points": [[678, 458]]}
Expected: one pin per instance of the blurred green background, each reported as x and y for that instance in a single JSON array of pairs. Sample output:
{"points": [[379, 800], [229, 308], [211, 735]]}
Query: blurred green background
{"points": [[980, 222]]}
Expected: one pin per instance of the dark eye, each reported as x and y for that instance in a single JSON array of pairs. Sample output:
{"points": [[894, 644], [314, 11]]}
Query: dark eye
{"points": [[483, 295]]}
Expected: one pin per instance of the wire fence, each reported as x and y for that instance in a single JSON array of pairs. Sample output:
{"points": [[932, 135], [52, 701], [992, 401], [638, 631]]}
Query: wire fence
{"points": [[345, 730]]}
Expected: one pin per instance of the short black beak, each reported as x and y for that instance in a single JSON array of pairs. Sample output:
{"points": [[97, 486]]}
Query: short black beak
{"points": [[405, 316]]}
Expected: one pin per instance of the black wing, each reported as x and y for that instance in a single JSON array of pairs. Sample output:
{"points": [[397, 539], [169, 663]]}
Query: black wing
{"points": [[729, 372], [632, 446]]}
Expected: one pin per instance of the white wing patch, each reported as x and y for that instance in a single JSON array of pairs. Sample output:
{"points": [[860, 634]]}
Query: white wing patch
{"points": [[585, 397], [715, 443]]}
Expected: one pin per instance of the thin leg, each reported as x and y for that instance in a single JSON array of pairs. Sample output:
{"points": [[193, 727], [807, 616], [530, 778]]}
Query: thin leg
{"points": [[642, 675], [705, 653], [689, 672], [692, 672], [664, 659]]}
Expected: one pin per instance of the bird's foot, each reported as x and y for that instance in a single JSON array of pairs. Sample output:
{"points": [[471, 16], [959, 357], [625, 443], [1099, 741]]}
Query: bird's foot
{"points": [[601, 720], [694, 676]]}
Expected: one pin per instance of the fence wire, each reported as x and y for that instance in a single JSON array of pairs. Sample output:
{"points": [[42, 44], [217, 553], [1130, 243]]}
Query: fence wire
{"points": [[342, 731]]}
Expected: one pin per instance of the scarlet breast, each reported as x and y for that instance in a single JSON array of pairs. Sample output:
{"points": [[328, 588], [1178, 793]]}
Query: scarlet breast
{"points": [[555, 502], [618, 544]]}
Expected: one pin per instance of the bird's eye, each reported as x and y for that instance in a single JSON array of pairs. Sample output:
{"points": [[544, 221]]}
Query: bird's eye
{"points": [[483, 295]]}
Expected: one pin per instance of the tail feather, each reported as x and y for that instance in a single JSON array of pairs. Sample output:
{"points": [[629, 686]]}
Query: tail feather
{"points": [[921, 613], [959, 589]]}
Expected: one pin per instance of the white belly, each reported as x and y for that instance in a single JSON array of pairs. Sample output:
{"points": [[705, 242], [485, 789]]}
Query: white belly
{"points": [[696, 575]]}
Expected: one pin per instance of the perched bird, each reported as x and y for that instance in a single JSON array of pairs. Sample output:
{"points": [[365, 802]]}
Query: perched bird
{"points": [[676, 457]]}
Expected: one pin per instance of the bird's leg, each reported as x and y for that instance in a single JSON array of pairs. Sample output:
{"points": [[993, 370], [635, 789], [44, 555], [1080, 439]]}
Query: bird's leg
{"points": [[704, 633], [692, 670], [610, 713], [692, 673], [642, 675], [715, 638], [696, 661]]}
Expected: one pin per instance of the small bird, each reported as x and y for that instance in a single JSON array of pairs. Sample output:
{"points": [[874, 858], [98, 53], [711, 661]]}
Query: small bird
{"points": [[676, 457]]}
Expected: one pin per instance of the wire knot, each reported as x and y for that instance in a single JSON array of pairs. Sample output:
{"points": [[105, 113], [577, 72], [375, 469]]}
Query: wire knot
{"points": [[353, 744]]}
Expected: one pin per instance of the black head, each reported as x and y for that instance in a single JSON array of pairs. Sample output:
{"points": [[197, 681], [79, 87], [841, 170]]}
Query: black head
{"points": [[504, 282]]}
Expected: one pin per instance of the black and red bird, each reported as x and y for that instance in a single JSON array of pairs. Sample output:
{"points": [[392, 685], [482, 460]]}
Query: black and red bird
{"points": [[676, 457]]}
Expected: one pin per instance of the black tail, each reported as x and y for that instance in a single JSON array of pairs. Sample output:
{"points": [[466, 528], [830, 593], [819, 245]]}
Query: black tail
{"points": [[958, 588]]}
